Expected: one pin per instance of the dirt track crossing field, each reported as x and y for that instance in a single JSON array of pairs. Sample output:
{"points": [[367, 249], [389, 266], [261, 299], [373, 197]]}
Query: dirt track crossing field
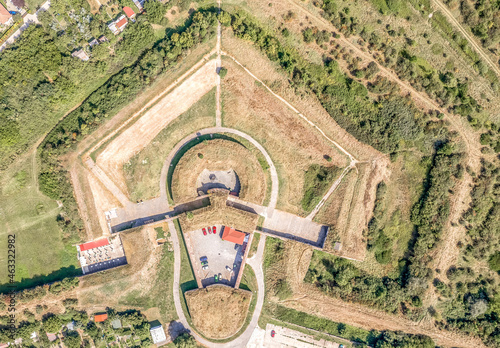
{"points": [[146, 128]]}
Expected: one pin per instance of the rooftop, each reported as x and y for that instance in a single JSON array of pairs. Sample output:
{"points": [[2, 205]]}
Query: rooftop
{"points": [[233, 236], [5, 16]]}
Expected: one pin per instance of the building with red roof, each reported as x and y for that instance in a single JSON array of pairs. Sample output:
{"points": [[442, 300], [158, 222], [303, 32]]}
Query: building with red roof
{"points": [[231, 235], [5, 16], [117, 26], [94, 244], [99, 318], [129, 12]]}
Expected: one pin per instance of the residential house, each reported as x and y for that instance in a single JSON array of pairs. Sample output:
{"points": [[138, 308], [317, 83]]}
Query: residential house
{"points": [[139, 4], [102, 39], [118, 25], [80, 54], [93, 42], [99, 318], [129, 12], [5, 17]]}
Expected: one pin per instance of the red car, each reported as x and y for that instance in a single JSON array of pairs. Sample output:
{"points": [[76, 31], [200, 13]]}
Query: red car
{"points": [[214, 229], [273, 333], [204, 231], [209, 230]]}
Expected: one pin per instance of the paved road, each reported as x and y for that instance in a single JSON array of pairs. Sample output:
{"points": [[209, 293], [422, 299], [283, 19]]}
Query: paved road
{"points": [[214, 130], [255, 262]]}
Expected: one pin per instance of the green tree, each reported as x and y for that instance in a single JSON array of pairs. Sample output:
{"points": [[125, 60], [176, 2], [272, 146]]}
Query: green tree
{"points": [[185, 341], [155, 12]]}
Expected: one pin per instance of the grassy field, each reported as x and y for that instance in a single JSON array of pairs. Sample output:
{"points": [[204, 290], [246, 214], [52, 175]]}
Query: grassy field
{"points": [[142, 172], [31, 216], [292, 144], [218, 155], [218, 312], [255, 244]]}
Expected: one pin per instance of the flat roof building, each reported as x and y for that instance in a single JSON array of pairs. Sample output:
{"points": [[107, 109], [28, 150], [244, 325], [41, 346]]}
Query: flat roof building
{"points": [[158, 334]]}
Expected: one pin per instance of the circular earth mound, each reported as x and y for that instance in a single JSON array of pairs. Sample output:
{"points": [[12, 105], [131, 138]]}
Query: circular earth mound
{"points": [[208, 161], [218, 311]]}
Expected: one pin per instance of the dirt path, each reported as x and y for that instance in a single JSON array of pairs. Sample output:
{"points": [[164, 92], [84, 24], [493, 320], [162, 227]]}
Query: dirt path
{"points": [[447, 253], [477, 47]]}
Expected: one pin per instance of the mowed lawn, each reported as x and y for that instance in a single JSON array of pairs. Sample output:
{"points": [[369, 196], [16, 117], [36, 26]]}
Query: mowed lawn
{"points": [[31, 216]]}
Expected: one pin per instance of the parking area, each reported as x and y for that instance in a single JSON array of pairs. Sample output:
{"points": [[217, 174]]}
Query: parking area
{"points": [[278, 337], [223, 258]]}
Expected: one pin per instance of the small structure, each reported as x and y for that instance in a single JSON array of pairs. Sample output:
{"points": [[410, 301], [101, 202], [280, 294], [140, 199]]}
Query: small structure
{"points": [[337, 246], [71, 325], [118, 25], [233, 236], [102, 38], [52, 337], [117, 324], [158, 335], [93, 42], [5, 16], [99, 318], [129, 12], [139, 4], [80, 54]]}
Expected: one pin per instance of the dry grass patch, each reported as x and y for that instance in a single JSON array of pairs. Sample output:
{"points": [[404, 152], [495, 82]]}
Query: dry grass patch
{"points": [[142, 172], [218, 311], [292, 144], [219, 155], [218, 213]]}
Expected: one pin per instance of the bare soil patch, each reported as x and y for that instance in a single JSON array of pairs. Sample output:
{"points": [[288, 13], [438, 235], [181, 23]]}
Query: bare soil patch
{"points": [[218, 311], [146, 128], [219, 155]]}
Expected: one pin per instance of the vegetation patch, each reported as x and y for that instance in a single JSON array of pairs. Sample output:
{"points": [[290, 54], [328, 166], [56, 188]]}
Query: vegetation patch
{"points": [[218, 311], [317, 181]]}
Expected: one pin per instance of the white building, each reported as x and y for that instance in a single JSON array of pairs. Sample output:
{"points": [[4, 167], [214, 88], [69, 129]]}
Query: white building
{"points": [[158, 334]]}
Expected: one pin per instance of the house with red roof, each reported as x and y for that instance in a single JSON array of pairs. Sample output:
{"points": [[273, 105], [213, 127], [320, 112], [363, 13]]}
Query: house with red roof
{"points": [[5, 16], [118, 25], [231, 235], [129, 12]]}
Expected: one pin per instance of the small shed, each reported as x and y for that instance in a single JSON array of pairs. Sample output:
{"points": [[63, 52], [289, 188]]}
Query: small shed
{"points": [[158, 334], [337, 246], [117, 324]]}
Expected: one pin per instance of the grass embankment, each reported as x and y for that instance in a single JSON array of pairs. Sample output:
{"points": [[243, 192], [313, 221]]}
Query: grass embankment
{"points": [[218, 311]]}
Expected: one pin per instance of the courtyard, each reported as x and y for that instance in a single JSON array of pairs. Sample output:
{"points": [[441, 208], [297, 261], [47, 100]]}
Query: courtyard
{"points": [[223, 257]]}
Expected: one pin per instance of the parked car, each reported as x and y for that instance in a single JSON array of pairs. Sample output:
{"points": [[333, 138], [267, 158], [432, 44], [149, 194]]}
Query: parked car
{"points": [[216, 278], [203, 258], [203, 263], [214, 229], [204, 231], [220, 276], [229, 268], [205, 266], [209, 230], [273, 333]]}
